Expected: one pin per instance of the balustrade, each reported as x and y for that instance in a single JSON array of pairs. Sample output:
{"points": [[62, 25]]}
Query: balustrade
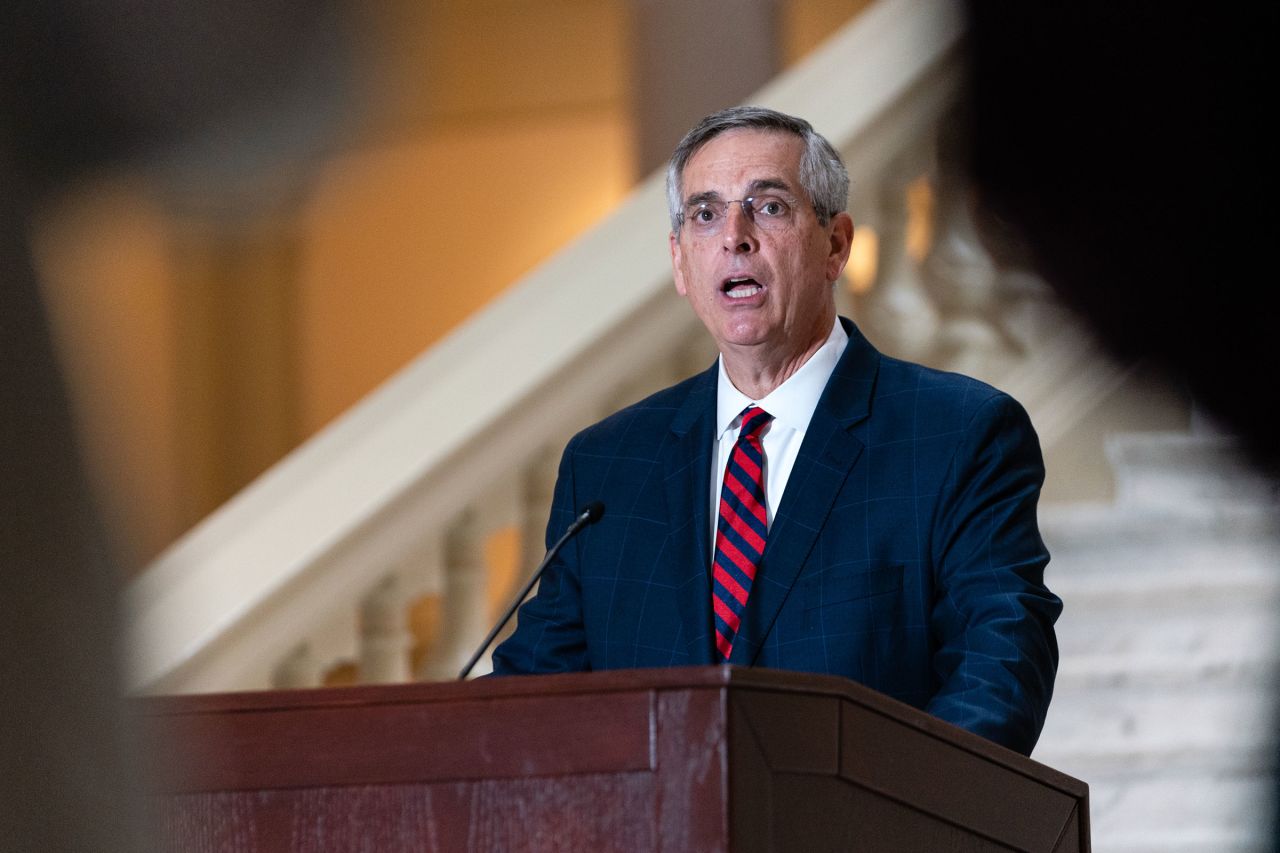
{"points": [[463, 619], [384, 634], [898, 312]]}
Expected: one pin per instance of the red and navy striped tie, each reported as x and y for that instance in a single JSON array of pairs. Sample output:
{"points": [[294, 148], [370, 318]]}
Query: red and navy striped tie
{"points": [[741, 530]]}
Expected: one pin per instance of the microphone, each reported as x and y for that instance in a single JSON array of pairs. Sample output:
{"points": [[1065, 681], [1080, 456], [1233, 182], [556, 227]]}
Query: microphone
{"points": [[589, 514]]}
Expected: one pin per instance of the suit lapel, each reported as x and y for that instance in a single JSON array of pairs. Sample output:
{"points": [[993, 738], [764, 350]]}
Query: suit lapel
{"points": [[686, 465], [827, 455]]}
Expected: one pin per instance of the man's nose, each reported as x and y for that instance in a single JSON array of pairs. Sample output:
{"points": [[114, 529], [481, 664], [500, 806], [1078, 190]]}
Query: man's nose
{"points": [[739, 231]]}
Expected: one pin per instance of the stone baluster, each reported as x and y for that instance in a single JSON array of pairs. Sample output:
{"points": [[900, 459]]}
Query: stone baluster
{"points": [[897, 311], [300, 668], [465, 614], [535, 493], [846, 302], [692, 357], [846, 296], [539, 483], [642, 381], [384, 635], [961, 278]]}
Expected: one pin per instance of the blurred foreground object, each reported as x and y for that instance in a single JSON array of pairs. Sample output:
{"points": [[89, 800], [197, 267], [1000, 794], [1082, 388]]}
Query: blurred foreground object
{"points": [[1123, 146], [211, 95], [1124, 152]]}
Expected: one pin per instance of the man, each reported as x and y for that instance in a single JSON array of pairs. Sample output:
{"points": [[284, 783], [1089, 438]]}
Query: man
{"points": [[873, 519]]}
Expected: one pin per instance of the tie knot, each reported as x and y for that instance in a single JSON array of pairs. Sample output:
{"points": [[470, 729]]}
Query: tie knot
{"points": [[754, 419]]}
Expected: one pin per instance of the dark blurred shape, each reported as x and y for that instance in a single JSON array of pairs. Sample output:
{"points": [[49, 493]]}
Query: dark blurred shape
{"points": [[64, 748], [1128, 148], [1127, 145], [231, 89], [203, 91]]}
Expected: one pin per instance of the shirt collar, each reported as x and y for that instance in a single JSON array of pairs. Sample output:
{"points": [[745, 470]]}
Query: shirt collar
{"points": [[792, 403]]}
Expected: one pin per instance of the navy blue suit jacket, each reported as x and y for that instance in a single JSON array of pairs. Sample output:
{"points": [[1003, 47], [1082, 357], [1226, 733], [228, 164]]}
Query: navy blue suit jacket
{"points": [[904, 554]]}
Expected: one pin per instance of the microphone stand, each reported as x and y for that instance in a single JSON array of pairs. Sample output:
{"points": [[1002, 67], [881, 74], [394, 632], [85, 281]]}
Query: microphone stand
{"points": [[590, 515]]}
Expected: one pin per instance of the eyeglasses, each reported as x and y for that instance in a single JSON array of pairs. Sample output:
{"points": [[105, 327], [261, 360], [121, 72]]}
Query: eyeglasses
{"points": [[767, 212]]}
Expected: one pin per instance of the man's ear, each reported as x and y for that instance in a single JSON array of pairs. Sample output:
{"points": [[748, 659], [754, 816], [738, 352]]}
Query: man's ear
{"points": [[841, 243], [677, 268]]}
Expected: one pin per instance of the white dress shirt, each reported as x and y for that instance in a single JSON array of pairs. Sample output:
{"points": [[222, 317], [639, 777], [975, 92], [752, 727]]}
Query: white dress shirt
{"points": [[791, 404]]}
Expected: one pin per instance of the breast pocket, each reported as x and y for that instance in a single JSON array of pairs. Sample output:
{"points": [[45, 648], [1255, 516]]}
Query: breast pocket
{"points": [[853, 601], [840, 586]]}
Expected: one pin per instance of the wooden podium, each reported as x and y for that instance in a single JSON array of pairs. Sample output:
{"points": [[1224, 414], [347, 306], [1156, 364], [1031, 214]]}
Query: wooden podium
{"points": [[705, 759]]}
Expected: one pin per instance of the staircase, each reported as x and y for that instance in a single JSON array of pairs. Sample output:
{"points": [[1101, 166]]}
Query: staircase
{"points": [[1170, 641]]}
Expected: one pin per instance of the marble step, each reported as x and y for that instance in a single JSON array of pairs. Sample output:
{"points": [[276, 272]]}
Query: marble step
{"points": [[1212, 840], [1178, 601], [1203, 634], [1180, 812], [1178, 470], [1244, 577], [1172, 567], [1089, 537], [1186, 727], [1225, 667], [1170, 648], [1205, 842]]}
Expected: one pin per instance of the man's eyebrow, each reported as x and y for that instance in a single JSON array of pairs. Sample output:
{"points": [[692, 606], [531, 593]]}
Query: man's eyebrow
{"points": [[699, 198], [754, 188], [769, 184]]}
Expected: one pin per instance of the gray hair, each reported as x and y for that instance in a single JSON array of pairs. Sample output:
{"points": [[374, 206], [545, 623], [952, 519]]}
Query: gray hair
{"points": [[823, 176]]}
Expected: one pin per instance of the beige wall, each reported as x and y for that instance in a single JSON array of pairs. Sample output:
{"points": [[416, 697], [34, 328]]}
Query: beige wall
{"points": [[395, 255], [807, 23]]}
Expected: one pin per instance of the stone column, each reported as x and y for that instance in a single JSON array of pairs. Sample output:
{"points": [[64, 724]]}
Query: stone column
{"points": [[897, 311], [384, 634], [465, 617], [539, 483]]}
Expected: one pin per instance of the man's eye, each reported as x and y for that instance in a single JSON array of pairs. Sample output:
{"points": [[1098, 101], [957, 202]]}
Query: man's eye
{"points": [[704, 214], [773, 207]]}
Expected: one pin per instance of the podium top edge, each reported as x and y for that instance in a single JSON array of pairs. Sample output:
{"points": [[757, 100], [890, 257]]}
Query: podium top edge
{"points": [[728, 679]]}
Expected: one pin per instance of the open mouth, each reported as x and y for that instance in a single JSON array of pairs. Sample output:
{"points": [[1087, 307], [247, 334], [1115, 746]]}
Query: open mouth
{"points": [[741, 287]]}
